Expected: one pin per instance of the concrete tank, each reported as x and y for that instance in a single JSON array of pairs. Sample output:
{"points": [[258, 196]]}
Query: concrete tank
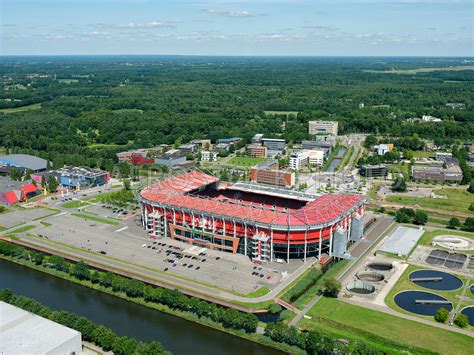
{"points": [[357, 228], [339, 242]]}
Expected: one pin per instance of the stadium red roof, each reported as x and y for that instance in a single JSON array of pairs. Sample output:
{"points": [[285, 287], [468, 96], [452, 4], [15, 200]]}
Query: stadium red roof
{"points": [[173, 192]]}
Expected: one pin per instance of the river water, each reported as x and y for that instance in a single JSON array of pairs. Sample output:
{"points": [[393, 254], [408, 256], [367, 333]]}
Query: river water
{"points": [[337, 159], [125, 318]]}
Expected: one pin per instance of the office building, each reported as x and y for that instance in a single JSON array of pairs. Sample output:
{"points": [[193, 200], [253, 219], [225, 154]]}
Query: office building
{"points": [[323, 127]]}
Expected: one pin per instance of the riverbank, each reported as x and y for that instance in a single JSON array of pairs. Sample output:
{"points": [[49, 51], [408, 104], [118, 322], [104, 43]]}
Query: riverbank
{"points": [[254, 337]]}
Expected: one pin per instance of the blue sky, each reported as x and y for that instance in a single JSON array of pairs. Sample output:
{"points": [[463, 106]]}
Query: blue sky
{"points": [[221, 27]]}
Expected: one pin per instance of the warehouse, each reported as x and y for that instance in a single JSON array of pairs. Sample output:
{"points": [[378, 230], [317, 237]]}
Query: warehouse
{"points": [[24, 161], [261, 223]]}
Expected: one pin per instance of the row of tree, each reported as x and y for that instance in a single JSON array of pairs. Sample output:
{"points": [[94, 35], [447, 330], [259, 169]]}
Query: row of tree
{"points": [[98, 334], [174, 299]]}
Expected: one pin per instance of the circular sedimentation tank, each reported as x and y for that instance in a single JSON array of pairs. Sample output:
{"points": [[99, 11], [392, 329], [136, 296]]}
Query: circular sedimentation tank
{"points": [[469, 312], [472, 289], [435, 280], [370, 276], [421, 302], [380, 266], [360, 287]]}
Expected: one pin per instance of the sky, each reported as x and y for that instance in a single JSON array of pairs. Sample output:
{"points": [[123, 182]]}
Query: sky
{"points": [[245, 27]]}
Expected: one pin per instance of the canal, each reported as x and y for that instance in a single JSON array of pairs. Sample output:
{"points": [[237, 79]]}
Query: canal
{"points": [[337, 159], [125, 318]]}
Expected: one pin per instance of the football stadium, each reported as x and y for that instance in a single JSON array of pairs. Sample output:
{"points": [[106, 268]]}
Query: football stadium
{"points": [[266, 224]]}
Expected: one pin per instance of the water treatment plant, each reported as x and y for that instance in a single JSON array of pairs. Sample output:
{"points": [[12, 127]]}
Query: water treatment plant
{"points": [[422, 302]]}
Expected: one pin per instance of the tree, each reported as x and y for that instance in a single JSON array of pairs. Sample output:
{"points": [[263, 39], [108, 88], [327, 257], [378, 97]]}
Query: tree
{"points": [[370, 141], [43, 182], [104, 337], [461, 320], [332, 287], [52, 184], [453, 223], [420, 218], [399, 185], [81, 271], [126, 184], [441, 315], [469, 224], [471, 206], [274, 308], [470, 188]]}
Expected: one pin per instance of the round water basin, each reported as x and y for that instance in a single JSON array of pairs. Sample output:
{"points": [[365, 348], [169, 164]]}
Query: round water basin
{"points": [[360, 287], [472, 289], [421, 302], [380, 266], [469, 312], [435, 280], [370, 276]]}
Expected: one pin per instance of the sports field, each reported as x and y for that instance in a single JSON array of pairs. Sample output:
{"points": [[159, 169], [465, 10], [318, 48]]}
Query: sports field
{"points": [[245, 161]]}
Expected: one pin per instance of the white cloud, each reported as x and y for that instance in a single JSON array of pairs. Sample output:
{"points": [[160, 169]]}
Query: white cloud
{"points": [[228, 13]]}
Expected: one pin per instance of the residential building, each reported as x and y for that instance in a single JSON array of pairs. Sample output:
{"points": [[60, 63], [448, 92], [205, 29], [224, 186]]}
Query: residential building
{"points": [[23, 332], [207, 155], [257, 139], [323, 127], [257, 151], [371, 171]]}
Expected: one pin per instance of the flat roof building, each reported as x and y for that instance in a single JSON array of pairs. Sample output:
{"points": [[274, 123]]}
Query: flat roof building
{"points": [[25, 161], [300, 158], [22, 332], [256, 151], [371, 171], [274, 177], [274, 145], [12, 191], [170, 160], [323, 127], [257, 139]]}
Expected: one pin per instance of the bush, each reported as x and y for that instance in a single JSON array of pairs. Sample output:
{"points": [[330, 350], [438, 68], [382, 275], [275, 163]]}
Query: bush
{"points": [[442, 315], [453, 223], [332, 287], [461, 320], [274, 308], [303, 285]]}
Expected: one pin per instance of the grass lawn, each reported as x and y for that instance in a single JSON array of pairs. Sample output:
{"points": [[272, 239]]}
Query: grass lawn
{"points": [[95, 219], [423, 154], [68, 81], [46, 224], [387, 330], [269, 113], [22, 108], [75, 204], [304, 299], [457, 200], [246, 161]]}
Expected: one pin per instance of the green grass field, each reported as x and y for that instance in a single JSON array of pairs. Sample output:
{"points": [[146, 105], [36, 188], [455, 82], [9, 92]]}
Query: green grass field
{"points": [[95, 219], [422, 154], [287, 113], [458, 200], [20, 109], [396, 333], [427, 237], [22, 229], [245, 161], [75, 204]]}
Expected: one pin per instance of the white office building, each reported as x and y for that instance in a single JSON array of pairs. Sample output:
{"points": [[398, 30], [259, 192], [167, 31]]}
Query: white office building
{"points": [[300, 158], [323, 127], [207, 155]]}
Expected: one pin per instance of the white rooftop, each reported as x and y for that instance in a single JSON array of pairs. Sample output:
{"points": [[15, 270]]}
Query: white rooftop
{"points": [[402, 240], [22, 332]]}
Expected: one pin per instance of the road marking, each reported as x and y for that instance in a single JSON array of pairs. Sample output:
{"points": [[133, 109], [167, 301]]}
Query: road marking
{"points": [[121, 229]]}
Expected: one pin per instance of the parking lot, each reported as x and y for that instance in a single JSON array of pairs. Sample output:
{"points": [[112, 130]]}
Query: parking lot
{"points": [[128, 242], [17, 217]]}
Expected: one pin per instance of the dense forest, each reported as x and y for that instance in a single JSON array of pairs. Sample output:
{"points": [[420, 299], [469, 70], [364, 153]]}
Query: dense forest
{"points": [[92, 107]]}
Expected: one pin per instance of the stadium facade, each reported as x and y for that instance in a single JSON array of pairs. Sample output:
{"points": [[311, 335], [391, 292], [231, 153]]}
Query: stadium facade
{"points": [[260, 222]]}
